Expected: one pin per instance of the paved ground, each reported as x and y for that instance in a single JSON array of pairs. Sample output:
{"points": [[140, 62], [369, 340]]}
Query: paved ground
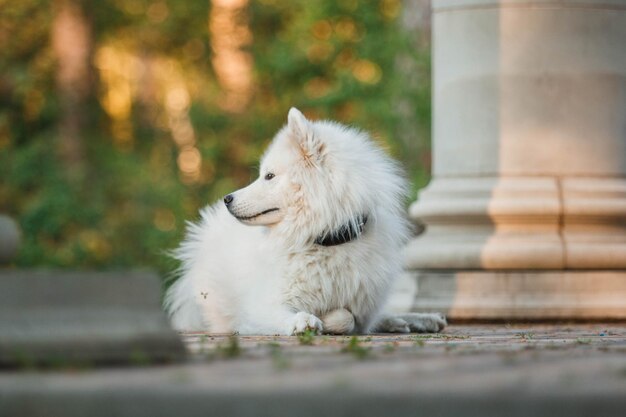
{"points": [[491, 370]]}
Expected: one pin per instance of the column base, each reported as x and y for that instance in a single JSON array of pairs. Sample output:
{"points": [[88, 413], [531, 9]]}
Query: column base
{"points": [[522, 295], [520, 223]]}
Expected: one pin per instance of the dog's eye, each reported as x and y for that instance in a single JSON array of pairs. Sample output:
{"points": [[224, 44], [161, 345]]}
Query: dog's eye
{"points": [[269, 176]]}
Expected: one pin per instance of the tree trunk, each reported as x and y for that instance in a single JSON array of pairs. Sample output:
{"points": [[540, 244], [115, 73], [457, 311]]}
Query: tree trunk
{"points": [[72, 45], [230, 34]]}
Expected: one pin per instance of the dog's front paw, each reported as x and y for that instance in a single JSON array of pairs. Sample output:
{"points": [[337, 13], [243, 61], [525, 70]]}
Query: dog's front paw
{"points": [[301, 322], [425, 322]]}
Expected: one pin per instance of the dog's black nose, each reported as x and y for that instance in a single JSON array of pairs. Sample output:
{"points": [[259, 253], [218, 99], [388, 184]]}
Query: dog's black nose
{"points": [[228, 199]]}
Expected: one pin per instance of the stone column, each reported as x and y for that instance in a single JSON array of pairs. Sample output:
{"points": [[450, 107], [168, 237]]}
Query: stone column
{"points": [[526, 212]]}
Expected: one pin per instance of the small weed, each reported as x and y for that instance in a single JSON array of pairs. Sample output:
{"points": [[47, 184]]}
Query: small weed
{"points": [[138, 357], [24, 360], [583, 341], [355, 348], [526, 336], [420, 342], [230, 349], [307, 337], [279, 360], [390, 347], [202, 342], [553, 346]]}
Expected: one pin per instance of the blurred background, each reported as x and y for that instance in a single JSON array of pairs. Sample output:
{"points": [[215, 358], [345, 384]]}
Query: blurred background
{"points": [[119, 119]]}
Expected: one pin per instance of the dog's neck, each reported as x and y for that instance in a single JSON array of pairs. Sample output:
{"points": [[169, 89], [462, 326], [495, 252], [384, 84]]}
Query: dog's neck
{"points": [[346, 233]]}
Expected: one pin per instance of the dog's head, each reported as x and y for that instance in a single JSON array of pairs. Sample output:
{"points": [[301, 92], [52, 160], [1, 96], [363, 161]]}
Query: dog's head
{"points": [[315, 177], [268, 200]]}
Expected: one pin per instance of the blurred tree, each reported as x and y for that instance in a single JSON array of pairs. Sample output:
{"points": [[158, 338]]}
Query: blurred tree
{"points": [[72, 45], [230, 33], [166, 111]]}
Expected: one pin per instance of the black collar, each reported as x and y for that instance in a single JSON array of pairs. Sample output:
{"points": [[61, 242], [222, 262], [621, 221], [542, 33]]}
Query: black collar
{"points": [[344, 234]]}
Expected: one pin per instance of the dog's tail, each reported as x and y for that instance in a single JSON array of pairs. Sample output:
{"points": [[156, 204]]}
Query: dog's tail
{"points": [[339, 321], [181, 308]]}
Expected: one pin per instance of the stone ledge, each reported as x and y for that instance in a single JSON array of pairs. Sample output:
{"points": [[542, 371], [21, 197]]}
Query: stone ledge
{"points": [[522, 295], [54, 317], [520, 223], [314, 403], [518, 370]]}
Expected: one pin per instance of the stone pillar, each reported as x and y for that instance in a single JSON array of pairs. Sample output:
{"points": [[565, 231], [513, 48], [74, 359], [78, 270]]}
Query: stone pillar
{"points": [[526, 212]]}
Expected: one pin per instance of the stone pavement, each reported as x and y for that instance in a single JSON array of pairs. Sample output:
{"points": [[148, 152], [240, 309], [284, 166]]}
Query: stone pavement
{"points": [[469, 370]]}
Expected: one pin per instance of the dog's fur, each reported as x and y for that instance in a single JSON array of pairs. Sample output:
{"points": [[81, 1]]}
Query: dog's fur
{"points": [[315, 178]]}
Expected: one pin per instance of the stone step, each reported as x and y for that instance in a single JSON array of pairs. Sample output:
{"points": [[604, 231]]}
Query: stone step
{"points": [[57, 318], [490, 370]]}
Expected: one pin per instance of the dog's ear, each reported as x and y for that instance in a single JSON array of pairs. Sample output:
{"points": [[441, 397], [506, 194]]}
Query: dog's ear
{"points": [[303, 136], [299, 126]]}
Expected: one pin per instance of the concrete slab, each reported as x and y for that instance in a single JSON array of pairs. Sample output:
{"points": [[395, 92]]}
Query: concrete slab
{"points": [[59, 318], [522, 295], [536, 370]]}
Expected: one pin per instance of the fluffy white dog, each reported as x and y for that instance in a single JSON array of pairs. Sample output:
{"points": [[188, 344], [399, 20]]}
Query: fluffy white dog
{"points": [[314, 243]]}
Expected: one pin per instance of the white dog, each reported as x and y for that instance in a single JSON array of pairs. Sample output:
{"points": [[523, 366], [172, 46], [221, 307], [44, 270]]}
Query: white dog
{"points": [[330, 227]]}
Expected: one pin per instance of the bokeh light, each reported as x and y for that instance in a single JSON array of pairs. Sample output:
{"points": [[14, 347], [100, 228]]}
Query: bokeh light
{"points": [[120, 120]]}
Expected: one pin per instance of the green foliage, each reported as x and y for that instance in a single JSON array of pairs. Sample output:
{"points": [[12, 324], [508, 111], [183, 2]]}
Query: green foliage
{"points": [[346, 60], [355, 348], [526, 336], [307, 337], [231, 349], [279, 359]]}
